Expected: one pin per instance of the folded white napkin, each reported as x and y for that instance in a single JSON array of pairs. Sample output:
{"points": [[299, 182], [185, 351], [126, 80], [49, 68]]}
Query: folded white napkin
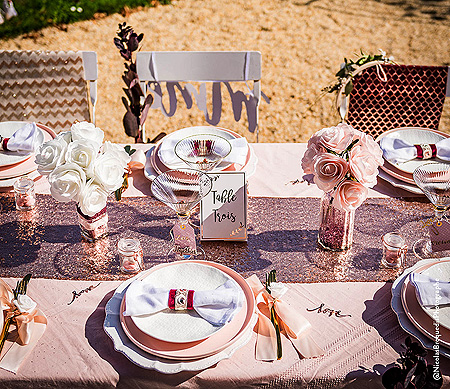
{"points": [[217, 306], [430, 292], [166, 152], [396, 150], [25, 140]]}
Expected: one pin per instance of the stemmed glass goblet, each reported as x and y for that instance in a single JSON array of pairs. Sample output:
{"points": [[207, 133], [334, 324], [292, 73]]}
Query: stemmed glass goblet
{"points": [[203, 151], [434, 181], [182, 190]]}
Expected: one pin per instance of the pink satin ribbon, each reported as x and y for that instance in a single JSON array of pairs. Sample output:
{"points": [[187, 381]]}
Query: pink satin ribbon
{"points": [[25, 323], [296, 328]]}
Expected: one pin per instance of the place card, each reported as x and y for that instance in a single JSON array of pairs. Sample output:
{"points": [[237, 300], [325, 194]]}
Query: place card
{"points": [[440, 235], [223, 212]]}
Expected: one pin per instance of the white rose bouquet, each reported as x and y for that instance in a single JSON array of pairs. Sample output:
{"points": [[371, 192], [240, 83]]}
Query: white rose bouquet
{"points": [[81, 168]]}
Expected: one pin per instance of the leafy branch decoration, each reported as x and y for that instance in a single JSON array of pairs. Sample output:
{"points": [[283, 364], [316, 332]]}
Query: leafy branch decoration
{"points": [[128, 41]]}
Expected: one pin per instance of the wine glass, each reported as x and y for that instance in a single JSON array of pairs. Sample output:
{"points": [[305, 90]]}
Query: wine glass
{"points": [[182, 190], [434, 181], [203, 151]]}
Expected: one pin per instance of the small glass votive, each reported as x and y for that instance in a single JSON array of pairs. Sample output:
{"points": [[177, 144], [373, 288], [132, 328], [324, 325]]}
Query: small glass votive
{"points": [[24, 194], [394, 250], [131, 255]]}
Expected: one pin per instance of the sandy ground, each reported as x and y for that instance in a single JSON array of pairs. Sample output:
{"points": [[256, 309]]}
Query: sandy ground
{"points": [[302, 44]]}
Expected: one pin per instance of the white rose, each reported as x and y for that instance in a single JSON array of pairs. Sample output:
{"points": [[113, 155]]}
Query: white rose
{"points": [[24, 303], [50, 155], [66, 136], [277, 289], [66, 182], [108, 171], [83, 153], [120, 152], [85, 130], [92, 198]]}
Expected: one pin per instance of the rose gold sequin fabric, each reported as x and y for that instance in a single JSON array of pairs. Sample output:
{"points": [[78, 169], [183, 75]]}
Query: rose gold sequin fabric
{"points": [[282, 236]]}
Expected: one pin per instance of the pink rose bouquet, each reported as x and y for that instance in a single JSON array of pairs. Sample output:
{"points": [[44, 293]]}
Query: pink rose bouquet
{"points": [[345, 162]]}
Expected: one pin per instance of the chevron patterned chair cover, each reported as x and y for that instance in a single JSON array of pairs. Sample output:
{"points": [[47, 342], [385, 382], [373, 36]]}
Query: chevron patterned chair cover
{"points": [[409, 96], [48, 87]]}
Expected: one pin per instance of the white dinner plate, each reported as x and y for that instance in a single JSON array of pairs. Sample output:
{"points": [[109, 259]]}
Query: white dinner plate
{"points": [[178, 135], [181, 326], [7, 129], [439, 271], [8, 182], [415, 135]]}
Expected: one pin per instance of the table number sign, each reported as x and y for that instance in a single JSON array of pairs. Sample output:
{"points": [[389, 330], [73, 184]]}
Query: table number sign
{"points": [[223, 213], [440, 235]]}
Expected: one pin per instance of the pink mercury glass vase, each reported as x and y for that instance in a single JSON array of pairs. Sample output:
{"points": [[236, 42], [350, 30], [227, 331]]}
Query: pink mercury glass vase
{"points": [[336, 225], [93, 227]]}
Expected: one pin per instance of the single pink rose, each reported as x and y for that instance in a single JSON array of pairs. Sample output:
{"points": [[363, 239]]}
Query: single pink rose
{"points": [[349, 195], [336, 138], [329, 170], [372, 147], [363, 165], [308, 158]]}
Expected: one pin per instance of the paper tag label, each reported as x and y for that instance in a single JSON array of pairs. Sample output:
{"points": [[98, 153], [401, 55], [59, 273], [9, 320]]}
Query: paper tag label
{"points": [[223, 213], [440, 235], [184, 239]]}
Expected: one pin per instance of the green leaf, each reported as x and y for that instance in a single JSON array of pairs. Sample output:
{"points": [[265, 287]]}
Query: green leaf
{"points": [[348, 88], [273, 319], [129, 150], [118, 194], [341, 73], [21, 286]]}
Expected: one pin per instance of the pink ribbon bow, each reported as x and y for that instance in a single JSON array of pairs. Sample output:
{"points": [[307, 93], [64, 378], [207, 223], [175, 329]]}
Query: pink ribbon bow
{"points": [[296, 328], [30, 327]]}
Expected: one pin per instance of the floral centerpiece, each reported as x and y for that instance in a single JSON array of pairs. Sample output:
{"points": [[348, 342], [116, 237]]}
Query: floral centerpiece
{"points": [[345, 164], [81, 168]]}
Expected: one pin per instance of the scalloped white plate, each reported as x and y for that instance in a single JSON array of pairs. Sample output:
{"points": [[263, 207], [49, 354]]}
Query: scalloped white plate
{"points": [[405, 323], [122, 344], [398, 183]]}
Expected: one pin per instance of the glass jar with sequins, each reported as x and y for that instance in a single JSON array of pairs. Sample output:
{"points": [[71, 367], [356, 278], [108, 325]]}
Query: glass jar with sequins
{"points": [[131, 255]]}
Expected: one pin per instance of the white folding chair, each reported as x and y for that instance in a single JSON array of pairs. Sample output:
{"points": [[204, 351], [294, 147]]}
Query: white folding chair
{"points": [[49, 87], [202, 66]]}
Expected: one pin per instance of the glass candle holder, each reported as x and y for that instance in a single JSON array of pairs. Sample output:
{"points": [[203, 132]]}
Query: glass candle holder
{"points": [[131, 256], [394, 250], [24, 194]]}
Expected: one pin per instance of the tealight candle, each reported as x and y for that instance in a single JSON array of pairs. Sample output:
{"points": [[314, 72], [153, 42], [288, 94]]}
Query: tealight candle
{"points": [[394, 250], [24, 194], [130, 255]]}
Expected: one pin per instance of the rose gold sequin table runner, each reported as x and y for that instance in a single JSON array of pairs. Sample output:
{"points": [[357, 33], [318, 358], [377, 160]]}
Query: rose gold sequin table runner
{"points": [[282, 235]]}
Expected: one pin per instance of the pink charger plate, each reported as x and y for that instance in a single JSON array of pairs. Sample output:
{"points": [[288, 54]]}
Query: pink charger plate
{"points": [[421, 320], [230, 333], [28, 165], [394, 171], [160, 167]]}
